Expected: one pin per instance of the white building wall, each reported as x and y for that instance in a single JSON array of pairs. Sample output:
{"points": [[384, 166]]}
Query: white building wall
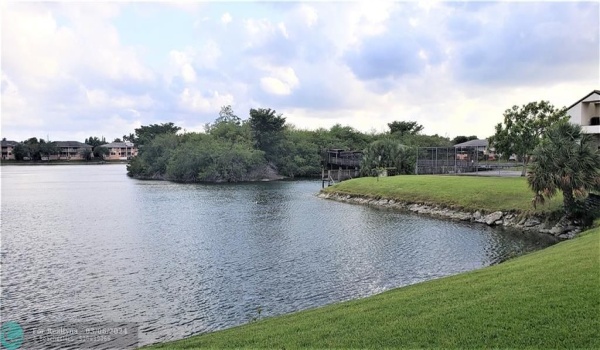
{"points": [[583, 112], [575, 114]]}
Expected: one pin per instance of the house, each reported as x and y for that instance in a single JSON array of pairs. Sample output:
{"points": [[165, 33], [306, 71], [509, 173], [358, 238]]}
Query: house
{"points": [[7, 149], [481, 146], [586, 112], [69, 150], [120, 150]]}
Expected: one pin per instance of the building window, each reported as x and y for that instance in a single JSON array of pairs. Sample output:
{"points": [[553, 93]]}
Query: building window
{"points": [[595, 121]]}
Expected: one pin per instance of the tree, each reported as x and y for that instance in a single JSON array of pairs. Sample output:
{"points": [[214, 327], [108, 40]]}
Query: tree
{"points": [[423, 140], [387, 153], [48, 148], [147, 133], [21, 151], [226, 115], [229, 127], [403, 127], [100, 152], [95, 141], [348, 138], [523, 128], [267, 131], [463, 139], [130, 137], [87, 154], [117, 140], [565, 160], [37, 149]]}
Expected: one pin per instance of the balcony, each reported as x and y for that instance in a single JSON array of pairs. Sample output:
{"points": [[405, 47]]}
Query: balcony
{"points": [[591, 129]]}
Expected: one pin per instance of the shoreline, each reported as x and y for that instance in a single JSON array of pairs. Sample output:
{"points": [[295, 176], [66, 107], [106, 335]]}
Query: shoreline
{"points": [[544, 293], [500, 279], [545, 224]]}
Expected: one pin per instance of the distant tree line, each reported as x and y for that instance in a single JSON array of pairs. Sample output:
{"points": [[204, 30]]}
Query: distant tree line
{"points": [[37, 149], [34, 149], [232, 148]]}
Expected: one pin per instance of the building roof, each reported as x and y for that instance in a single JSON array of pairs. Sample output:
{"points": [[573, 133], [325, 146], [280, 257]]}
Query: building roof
{"points": [[125, 144], [583, 98], [5, 143], [72, 144], [474, 143]]}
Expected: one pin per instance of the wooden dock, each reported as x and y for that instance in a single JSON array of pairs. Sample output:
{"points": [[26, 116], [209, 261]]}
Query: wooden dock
{"points": [[339, 165]]}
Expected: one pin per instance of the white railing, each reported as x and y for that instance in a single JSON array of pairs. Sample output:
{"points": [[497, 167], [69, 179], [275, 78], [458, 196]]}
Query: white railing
{"points": [[591, 129]]}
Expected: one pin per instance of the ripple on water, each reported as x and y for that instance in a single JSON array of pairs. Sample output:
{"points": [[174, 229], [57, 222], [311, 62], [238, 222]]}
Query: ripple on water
{"points": [[88, 244]]}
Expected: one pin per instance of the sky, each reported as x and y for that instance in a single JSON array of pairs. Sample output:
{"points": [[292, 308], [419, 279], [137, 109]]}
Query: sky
{"points": [[71, 70]]}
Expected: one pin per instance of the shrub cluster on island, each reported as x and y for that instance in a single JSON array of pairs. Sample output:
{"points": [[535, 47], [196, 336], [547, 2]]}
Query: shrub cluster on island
{"points": [[265, 147]]}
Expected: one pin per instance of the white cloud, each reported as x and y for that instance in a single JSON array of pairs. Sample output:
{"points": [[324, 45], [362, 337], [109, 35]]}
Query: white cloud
{"points": [[194, 100], [208, 54], [72, 64], [281, 80], [182, 63], [226, 18], [257, 31], [283, 29], [309, 15], [369, 18], [39, 53], [103, 100], [188, 73], [275, 86], [181, 66]]}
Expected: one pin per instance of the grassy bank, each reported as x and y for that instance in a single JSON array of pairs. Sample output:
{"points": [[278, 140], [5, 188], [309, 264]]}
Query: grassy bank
{"points": [[547, 299], [464, 192]]}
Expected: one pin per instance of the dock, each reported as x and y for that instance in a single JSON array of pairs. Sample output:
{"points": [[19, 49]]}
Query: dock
{"points": [[339, 165]]}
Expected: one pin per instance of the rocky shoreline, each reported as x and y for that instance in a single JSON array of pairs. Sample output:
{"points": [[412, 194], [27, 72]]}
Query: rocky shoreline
{"points": [[561, 228]]}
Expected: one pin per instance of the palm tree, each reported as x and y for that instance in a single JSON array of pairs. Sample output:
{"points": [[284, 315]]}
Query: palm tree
{"points": [[565, 160], [387, 153], [86, 154]]}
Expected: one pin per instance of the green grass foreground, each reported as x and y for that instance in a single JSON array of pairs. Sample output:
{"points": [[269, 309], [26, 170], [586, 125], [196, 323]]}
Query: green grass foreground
{"points": [[461, 192], [546, 299]]}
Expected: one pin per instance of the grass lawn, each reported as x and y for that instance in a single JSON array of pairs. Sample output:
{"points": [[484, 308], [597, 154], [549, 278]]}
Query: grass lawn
{"points": [[464, 192], [546, 299]]}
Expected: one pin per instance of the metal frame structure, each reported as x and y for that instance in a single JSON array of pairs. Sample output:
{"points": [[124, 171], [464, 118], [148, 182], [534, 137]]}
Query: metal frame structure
{"points": [[448, 160]]}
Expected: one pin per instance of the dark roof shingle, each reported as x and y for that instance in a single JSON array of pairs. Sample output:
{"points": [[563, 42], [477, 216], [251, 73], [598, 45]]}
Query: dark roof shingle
{"points": [[72, 144], [474, 143], [5, 143]]}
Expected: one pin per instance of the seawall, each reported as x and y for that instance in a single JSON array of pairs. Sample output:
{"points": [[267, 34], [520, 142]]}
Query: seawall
{"points": [[561, 228]]}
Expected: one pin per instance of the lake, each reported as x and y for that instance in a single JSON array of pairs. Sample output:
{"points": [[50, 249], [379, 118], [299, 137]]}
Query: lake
{"points": [[86, 243]]}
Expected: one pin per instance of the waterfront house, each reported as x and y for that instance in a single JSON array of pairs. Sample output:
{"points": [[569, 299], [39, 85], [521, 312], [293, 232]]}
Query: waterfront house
{"points": [[7, 149], [586, 112], [120, 150], [481, 146], [69, 150]]}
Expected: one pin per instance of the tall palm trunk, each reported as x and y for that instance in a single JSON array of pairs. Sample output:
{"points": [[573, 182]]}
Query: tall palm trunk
{"points": [[568, 201], [525, 161]]}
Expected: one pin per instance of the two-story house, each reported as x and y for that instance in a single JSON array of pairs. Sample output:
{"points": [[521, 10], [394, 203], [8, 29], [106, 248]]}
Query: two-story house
{"points": [[586, 112], [120, 150], [69, 150], [7, 149]]}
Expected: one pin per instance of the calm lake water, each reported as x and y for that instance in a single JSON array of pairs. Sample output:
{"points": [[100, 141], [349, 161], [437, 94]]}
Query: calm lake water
{"points": [[83, 243]]}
